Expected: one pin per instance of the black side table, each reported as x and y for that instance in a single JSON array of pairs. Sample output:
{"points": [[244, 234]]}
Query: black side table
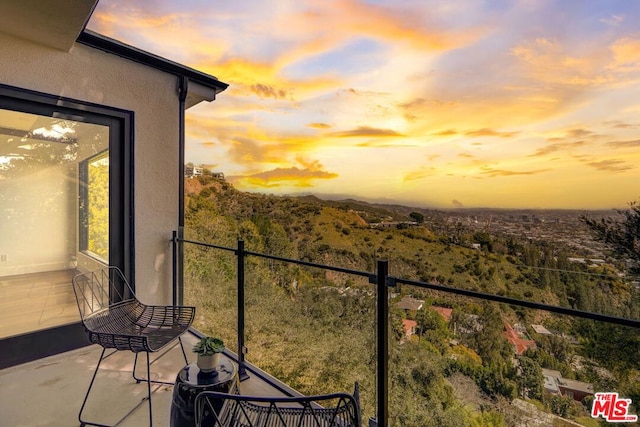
{"points": [[191, 381]]}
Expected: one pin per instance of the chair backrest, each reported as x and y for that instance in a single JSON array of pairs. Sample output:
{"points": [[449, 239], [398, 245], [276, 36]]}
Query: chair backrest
{"points": [[215, 409], [97, 290]]}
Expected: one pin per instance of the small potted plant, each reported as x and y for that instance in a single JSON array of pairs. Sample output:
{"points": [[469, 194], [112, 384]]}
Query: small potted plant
{"points": [[208, 350]]}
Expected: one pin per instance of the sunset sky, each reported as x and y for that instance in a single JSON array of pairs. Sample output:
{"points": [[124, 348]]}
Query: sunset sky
{"points": [[465, 103]]}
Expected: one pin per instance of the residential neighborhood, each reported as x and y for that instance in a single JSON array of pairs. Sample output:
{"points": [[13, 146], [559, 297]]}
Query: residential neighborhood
{"points": [[516, 335]]}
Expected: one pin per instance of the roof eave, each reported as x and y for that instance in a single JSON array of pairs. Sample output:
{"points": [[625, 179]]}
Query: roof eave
{"points": [[107, 44]]}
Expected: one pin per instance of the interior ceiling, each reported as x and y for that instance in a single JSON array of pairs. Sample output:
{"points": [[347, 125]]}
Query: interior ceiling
{"points": [[17, 136], [54, 23], [17, 120]]}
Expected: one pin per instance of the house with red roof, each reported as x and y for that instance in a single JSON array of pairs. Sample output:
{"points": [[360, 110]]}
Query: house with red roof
{"points": [[443, 311], [519, 344], [410, 327]]}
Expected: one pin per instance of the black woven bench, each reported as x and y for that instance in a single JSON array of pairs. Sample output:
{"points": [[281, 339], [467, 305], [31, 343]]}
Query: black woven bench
{"points": [[114, 318], [329, 410]]}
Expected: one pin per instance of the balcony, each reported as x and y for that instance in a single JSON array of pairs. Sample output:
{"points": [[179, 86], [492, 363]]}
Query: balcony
{"points": [[361, 337], [49, 391]]}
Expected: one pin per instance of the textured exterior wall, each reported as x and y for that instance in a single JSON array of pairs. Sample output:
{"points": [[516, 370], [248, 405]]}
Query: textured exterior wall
{"points": [[90, 75]]}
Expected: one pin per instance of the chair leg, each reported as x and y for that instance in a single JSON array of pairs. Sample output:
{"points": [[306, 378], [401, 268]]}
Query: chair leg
{"points": [[149, 390], [86, 396], [84, 423], [186, 361], [133, 372], [135, 362], [149, 381]]}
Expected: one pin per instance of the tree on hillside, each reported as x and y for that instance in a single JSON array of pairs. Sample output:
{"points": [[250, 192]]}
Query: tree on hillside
{"points": [[417, 216], [433, 327], [486, 336], [613, 346], [484, 239], [622, 233], [530, 378], [556, 346]]}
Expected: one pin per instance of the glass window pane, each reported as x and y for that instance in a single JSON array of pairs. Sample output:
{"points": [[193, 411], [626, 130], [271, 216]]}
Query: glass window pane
{"points": [[98, 212], [40, 226]]}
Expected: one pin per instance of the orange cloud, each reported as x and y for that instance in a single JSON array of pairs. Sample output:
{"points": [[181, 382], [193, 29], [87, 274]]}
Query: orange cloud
{"points": [[482, 111], [546, 60], [418, 108], [204, 48], [365, 131], [265, 79], [353, 18], [313, 165], [206, 127], [622, 125], [490, 132], [626, 54], [266, 91], [246, 143], [491, 172], [420, 174], [250, 151], [552, 148], [611, 165], [280, 177], [624, 144], [446, 132], [319, 125], [178, 33]]}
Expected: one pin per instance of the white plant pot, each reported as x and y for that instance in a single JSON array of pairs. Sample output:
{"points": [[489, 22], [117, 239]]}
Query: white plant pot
{"points": [[208, 363]]}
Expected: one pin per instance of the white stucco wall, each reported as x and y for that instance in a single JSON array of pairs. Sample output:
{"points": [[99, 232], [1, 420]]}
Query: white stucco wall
{"points": [[91, 75]]}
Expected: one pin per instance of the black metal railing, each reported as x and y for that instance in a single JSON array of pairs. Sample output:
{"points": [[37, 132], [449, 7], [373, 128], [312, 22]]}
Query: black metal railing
{"points": [[383, 281]]}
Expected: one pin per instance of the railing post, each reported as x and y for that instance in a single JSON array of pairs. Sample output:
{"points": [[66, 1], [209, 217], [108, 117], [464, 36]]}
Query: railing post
{"points": [[242, 371], [180, 264], [174, 270], [383, 344]]}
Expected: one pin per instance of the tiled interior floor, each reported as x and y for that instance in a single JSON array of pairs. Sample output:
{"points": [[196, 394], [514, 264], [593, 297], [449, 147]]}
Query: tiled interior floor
{"points": [[31, 302], [49, 391]]}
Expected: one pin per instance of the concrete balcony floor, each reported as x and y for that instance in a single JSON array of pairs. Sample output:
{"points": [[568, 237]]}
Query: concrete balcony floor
{"points": [[49, 391]]}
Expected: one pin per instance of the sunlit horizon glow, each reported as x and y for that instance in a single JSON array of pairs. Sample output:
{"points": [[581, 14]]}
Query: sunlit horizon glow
{"points": [[505, 104]]}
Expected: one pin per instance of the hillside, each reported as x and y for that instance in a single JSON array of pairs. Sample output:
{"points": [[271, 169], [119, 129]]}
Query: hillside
{"points": [[322, 322], [340, 233]]}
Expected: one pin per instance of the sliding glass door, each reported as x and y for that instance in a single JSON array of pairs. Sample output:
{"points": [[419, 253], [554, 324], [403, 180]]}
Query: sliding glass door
{"points": [[64, 206]]}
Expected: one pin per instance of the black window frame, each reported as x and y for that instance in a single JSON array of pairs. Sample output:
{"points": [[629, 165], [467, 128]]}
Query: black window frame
{"points": [[38, 344], [121, 184]]}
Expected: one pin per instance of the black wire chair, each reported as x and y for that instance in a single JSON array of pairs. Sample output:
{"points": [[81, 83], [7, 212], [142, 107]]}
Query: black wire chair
{"points": [[114, 318], [214, 409]]}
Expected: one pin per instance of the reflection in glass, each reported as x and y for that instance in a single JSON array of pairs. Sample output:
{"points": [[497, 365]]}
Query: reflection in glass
{"points": [[40, 232]]}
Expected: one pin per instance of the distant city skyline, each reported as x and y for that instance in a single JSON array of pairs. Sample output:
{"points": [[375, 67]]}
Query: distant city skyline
{"points": [[505, 104]]}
